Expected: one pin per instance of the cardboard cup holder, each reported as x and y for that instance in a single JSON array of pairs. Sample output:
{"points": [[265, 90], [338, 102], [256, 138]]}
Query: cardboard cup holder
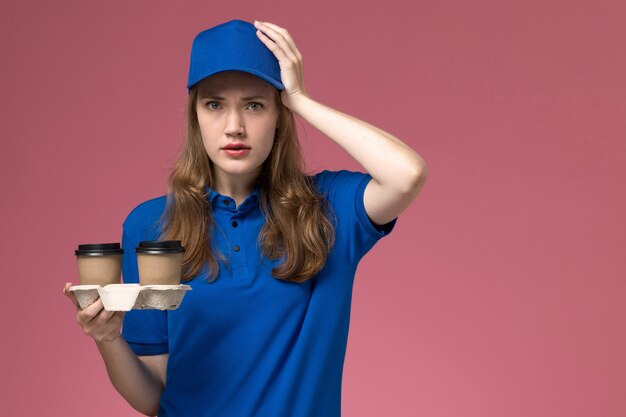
{"points": [[125, 297]]}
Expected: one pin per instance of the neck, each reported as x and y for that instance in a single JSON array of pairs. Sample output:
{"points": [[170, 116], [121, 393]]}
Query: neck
{"points": [[238, 187]]}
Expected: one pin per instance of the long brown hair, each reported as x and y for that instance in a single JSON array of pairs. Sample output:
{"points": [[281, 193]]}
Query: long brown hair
{"points": [[298, 223]]}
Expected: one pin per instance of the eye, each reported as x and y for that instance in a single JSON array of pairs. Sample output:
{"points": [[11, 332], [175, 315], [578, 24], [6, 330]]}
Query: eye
{"points": [[258, 107]]}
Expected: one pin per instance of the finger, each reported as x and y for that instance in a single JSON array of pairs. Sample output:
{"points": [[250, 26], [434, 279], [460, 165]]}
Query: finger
{"points": [[118, 316], [91, 311], [69, 294], [279, 35], [106, 316], [113, 325], [286, 35], [279, 46]]}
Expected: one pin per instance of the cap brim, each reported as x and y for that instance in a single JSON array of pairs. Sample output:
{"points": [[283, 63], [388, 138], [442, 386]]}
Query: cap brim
{"points": [[275, 83]]}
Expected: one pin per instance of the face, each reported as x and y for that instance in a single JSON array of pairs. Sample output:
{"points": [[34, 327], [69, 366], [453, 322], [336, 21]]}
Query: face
{"points": [[237, 107]]}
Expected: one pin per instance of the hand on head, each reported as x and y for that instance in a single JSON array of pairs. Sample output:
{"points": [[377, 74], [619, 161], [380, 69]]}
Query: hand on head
{"points": [[279, 41]]}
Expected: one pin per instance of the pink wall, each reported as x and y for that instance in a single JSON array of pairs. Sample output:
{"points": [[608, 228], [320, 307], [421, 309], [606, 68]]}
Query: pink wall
{"points": [[500, 293]]}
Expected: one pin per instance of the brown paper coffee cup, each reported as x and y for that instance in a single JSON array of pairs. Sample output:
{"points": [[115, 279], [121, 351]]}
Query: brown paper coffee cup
{"points": [[159, 262], [99, 263]]}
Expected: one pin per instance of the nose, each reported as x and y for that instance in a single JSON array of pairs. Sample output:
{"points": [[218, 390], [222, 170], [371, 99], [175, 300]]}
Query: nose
{"points": [[234, 124]]}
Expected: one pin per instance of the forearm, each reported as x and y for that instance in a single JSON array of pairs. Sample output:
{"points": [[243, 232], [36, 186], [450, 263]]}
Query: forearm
{"points": [[131, 377], [386, 158]]}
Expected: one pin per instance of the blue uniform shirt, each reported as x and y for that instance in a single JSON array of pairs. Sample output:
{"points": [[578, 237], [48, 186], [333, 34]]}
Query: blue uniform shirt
{"points": [[249, 344]]}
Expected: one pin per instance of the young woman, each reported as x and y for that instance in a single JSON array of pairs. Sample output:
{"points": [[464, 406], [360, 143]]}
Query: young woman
{"points": [[270, 251]]}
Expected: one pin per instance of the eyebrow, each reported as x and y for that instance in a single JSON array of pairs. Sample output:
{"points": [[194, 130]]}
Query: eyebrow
{"points": [[243, 98]]}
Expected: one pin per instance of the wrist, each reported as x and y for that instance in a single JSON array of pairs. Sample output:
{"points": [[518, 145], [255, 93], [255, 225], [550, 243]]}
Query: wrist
{"points": [[297, 102], [109, 342]]}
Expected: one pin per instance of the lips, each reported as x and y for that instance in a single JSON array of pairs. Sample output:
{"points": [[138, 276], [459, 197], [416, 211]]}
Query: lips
{"points": [[236, 153], [236, 146]]}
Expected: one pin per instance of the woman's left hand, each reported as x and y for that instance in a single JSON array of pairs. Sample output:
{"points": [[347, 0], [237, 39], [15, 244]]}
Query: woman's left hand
{"points": [[289, 58]]}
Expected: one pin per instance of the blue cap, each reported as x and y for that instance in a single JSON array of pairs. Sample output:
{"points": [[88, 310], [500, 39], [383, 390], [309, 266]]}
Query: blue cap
{"points": [[233, 45]]}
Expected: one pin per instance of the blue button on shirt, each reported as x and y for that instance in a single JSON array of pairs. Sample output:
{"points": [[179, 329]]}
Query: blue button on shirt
{"points": [[249, 344]]}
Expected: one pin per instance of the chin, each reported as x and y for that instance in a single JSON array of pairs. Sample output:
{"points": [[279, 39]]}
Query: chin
{"points": [[241, 169]]}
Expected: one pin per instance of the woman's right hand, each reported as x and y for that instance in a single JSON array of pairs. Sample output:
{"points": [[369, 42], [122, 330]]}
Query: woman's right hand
{"points": [[96, 322]]}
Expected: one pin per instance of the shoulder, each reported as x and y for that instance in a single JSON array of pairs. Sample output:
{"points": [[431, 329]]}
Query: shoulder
{"points": [[328, 181], [143, 218], [345, 190]]}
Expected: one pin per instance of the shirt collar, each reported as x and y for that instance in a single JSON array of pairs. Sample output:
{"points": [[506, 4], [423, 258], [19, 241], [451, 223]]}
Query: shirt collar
{"points": [[217, 200]]}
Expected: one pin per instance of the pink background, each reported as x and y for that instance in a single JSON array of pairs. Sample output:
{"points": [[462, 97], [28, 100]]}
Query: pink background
{"points": [[501, 291]]}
